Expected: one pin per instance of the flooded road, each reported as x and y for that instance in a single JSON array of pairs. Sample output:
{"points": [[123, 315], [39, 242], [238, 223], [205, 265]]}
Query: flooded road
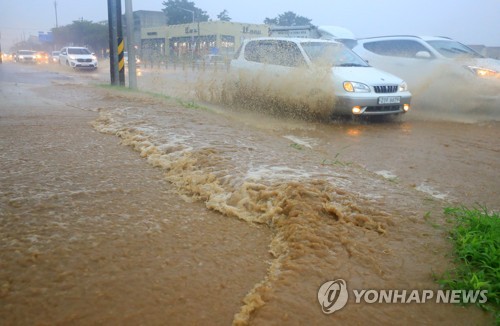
{"points": [[214, 215]]}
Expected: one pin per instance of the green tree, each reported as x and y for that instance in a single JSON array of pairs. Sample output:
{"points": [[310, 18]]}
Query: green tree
{"points": [[181, 12], [288, 18], [223, 16], [27, 45], [95, 36]]}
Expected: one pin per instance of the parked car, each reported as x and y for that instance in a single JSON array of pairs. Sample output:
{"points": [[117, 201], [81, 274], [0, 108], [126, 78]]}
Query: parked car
{"points": [[54, 56], [439, 65], [25, 56], [358, 88], [78, 58]]}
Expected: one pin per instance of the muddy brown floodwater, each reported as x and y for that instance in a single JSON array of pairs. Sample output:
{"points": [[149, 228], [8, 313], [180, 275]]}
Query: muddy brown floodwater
{"points": [[121, 207]]}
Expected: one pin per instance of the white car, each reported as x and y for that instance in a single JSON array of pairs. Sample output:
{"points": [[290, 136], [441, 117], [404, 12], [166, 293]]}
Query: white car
{"points": [[26, 56], [55, 56], [300, 68], [436, 68], [78, 58]]}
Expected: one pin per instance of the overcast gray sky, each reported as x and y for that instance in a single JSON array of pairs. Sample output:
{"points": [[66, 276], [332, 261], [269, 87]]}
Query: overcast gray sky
{"points": [[468, 21]]}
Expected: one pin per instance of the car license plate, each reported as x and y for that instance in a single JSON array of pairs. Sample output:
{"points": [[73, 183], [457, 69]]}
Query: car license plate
{"points": [[389, 100]]}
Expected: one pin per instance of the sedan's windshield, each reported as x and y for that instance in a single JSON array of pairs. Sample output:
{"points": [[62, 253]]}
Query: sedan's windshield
{"points": [[332, 54], [452, 49], [25, 52], [78, 51]]}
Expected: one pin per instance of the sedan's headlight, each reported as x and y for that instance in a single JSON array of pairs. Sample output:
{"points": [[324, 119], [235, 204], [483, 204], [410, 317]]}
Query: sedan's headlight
{"points": [[356, 87], [483, 72], [403, 87], [72, 57]]}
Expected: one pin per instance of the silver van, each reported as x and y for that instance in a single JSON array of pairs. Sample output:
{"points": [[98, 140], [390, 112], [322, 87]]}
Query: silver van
{"points": [[301, 67]]}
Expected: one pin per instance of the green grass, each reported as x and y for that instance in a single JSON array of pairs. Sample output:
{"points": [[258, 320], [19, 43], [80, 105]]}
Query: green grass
{"points": [[185, 104], [428, 219], [297, 146], [190, 105], [335, 161], [476, 238], [117, 87]]}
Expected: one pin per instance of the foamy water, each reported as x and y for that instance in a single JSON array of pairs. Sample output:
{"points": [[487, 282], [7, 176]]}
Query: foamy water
{"points": [[336, 200], [325, 218]]}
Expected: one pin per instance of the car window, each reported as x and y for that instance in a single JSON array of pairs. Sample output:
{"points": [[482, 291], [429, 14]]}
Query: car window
{"points": [[396, 48], [252, 51], [288, 54], [453, 49], [275, 52], [332, 54], [78, 51]]}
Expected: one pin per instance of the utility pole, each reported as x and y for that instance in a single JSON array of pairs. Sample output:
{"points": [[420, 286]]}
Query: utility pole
{"points": [[192, 36], [121, 43], [55, 9], [113, 38], [116, 47], [129, 16]]}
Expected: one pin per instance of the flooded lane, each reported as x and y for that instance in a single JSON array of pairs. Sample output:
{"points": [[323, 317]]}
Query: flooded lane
{"points": [[327, 219], [90, 234], [327, 201], [457, 162]]}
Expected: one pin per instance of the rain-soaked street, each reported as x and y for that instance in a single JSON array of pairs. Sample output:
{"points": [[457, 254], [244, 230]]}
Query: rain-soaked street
{"points": [[161, 207]]}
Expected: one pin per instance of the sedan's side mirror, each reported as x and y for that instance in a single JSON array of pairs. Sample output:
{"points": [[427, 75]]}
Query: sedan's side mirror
{"points": [[423, 55]]}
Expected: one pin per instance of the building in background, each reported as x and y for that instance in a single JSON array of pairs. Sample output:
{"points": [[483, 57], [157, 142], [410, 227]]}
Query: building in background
{"points": [[195, 40], [144, 19], [487, 51], [157, 41]]}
